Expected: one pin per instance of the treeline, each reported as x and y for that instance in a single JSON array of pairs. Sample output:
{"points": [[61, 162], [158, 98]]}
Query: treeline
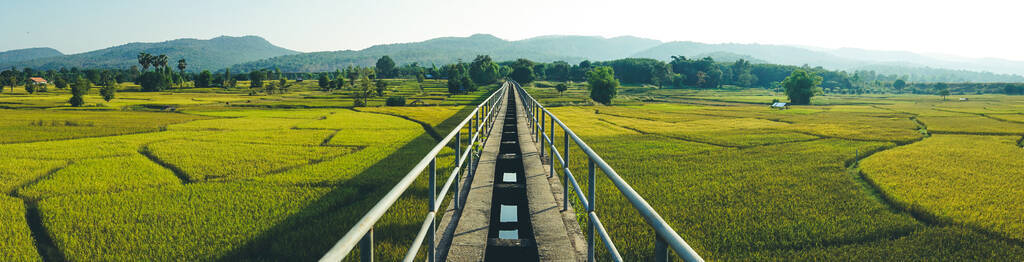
{"points": [[683, 72], [680, 72]]}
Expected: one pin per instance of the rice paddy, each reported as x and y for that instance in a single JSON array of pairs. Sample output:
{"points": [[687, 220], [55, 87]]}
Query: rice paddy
{"points": [[743, 182], [212, 174], [202, 176]]}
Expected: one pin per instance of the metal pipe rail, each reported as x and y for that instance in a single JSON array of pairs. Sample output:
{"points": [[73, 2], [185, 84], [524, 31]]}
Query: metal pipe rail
{"points": [[666, 238], [480, 122]]}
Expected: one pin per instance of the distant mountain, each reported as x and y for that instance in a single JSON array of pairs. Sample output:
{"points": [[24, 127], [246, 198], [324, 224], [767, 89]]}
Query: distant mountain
{"points": [[251, 52], [573, 49], [213, 54], [777, 54], [588, 47], [447, 50], [995, 65], [920, 67], [27, 54]]}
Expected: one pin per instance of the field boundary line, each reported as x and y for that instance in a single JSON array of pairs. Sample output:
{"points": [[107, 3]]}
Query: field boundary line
{"points": [[918, 213], [44, 244], [327, 140], [145, 151], [665, 136], [426, 127], [33, 181], [978, 114]]}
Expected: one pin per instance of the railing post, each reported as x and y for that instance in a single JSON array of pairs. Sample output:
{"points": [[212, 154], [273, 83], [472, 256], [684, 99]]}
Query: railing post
{"points": [[552, 149], [366, 247], [565, 191], [458, 164], [565, 157], [540, 135], [660, 250], [591, 209], [433, 199], [533, 121]]}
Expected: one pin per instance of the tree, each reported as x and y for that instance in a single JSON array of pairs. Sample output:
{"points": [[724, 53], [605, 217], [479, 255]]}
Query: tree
{"points": [[12, 81], [145, 60], [602, 84], [256, 79], [78, 89], [352, 74], [160, 61], [899, 84], [30, 88], [205, 79], [459, 81], [395, 101], [363, 92], [228, 81], [419, 79], [558, 71], [338, 83], [324, 82], [385, 67], [714, 77], [801, 86], [483, 71], [561, 87], [108, 90], [746, 80], [942, 90], [522, 71], [153, 81], [181, 68], [282, 85], [381, 87], [270, 87]]}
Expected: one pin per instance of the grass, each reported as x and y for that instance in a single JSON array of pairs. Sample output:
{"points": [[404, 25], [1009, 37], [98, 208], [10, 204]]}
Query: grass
{"points": [[228, 176], [44, 125], [971, 125], [197, 222], [741, 182], [216, 174], [976, 181], [101, 175], [16, 172], [16, 243], [225, 160]]}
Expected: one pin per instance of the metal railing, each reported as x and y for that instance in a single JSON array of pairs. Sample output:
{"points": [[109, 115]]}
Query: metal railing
{"points": [[666, 237], [480, 121]]}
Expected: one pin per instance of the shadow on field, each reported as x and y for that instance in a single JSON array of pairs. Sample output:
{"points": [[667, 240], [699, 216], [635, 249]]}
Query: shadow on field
{"points": [[308, 234]]}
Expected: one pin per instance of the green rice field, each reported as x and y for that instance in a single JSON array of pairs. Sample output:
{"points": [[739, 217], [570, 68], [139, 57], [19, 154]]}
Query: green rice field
{"points": [[218, 174]]}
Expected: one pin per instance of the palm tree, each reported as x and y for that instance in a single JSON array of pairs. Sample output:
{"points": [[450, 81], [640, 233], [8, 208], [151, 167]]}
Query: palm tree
{"points": [[145, 60], [161, 61], [181, 68], [182, 65]]}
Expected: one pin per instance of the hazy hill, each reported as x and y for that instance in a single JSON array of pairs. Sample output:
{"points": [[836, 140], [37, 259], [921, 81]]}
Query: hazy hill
{"points": [[573, 49], [446, 50], [778, 54], [589, 47], [252, 52], [27, 54], [213, 54], [917, 66]]}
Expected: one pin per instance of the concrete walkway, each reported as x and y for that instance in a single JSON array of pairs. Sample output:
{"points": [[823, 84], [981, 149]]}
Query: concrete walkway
{"points": [[557, 235]]}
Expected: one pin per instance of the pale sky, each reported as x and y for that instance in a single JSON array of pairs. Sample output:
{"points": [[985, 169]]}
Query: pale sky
{"points": [[975, 28]]}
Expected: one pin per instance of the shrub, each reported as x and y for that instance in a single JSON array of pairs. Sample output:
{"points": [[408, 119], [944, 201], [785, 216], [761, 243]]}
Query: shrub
{"points": [[395, 101]]}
